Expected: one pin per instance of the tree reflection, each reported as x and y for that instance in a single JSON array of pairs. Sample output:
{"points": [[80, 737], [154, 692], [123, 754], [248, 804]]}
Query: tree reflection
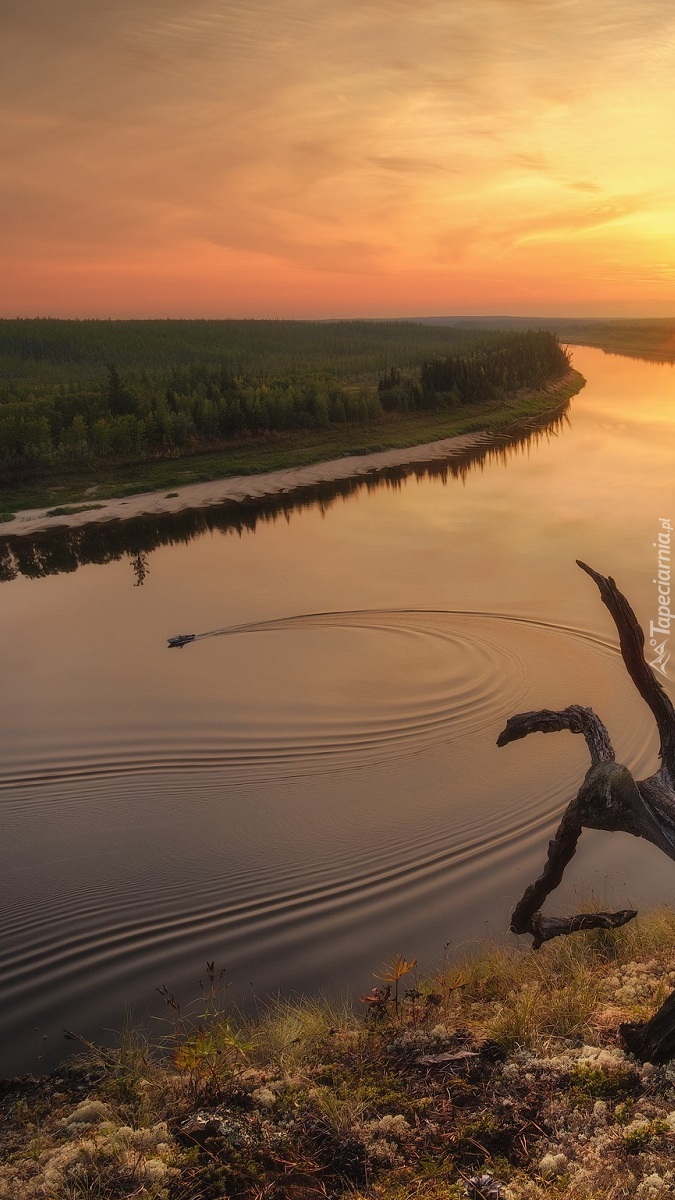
{"points": [[59, 550], [140, 567]]}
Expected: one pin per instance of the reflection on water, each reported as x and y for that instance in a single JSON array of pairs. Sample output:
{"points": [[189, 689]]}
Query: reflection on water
{"points": [[140, 567], [331, 784], [319, 788], [53, 551]]}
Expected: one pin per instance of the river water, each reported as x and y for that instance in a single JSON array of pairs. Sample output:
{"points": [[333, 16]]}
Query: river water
{"points": [[303, 798]]}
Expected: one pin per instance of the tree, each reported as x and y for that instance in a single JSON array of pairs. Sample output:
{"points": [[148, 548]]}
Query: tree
{"points": [[120, 400], [609, 798]]}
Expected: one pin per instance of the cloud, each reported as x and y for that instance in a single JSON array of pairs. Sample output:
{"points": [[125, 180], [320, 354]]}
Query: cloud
{"points": [[338, 137]]}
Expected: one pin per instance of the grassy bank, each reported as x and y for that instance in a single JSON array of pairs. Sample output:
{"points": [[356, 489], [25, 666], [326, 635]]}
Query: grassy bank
{"points": [[502, 1077], [272, 452]]}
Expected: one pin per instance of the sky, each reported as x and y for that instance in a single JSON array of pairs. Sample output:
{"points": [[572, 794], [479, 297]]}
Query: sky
{"points": [[336, 158]]}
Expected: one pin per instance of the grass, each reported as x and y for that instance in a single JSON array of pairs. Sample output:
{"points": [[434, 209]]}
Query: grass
{"points": [[67, 510], [257, 456], [503, 1077]]}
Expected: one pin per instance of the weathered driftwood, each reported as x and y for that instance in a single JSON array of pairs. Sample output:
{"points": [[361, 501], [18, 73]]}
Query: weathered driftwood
{"points": [[609, 798], [653, 1041]]}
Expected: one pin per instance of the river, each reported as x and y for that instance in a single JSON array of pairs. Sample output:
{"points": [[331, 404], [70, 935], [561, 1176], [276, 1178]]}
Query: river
{"points": [[304, 798]]}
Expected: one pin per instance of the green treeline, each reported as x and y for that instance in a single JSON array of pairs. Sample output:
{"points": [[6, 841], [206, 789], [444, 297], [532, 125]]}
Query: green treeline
{"points": [[80, 392], [64, 549], [487, 373]]}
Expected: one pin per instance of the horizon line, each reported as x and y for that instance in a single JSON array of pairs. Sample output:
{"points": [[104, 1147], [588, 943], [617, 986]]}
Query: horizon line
{"points": [[411, 319]]}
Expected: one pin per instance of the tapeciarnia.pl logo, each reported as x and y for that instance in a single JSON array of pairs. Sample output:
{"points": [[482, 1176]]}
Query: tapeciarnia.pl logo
{"points": [[662, 625]]}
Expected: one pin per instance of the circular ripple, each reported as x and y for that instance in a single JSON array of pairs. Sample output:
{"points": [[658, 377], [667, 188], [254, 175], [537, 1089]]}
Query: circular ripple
{"points": [[326, 692], [315, 788]]}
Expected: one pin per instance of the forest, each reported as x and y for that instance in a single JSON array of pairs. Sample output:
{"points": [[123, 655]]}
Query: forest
{"points": [[74, 393]]}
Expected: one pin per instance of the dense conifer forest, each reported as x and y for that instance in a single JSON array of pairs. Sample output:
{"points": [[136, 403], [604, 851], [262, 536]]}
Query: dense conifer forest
{"points": [[74, 393]]}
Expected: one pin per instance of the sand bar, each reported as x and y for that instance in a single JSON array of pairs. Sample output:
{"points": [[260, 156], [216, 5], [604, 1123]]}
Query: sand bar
{"points": [[241, 487]]}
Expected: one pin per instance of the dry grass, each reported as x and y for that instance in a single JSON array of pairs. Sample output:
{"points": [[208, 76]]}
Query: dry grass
{"points": [[506, 1068], [291, 1033]]}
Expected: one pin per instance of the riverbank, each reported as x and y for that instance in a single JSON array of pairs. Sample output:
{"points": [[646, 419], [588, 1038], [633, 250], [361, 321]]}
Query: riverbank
{"points": [[292, 466], [503, 1078]]}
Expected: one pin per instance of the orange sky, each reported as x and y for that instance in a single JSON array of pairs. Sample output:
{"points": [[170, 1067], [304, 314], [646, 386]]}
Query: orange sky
{"points": [[311, 158]]}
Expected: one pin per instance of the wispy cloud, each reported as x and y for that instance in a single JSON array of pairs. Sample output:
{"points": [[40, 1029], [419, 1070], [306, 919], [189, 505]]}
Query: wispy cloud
{"points": [[355, 138]]}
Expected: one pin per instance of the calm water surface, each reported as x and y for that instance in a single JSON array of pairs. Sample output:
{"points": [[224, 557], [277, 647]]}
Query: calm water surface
{"points": [[306, 797]]}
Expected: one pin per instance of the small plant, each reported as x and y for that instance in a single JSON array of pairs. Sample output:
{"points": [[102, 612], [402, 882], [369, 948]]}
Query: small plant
{"points": [[394, 973], [376, 1002], [203, 1052], [203, 1043]]}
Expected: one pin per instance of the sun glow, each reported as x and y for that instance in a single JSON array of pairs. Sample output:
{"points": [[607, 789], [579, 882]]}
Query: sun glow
{"points": [[314, 159]]}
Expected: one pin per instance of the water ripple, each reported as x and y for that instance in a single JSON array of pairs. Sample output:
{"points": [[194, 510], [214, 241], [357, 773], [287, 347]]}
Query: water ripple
{"points": [[418, 678], [311, 776]]}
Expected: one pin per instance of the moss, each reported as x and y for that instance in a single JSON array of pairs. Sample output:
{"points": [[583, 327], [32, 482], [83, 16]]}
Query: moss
{"points": [[602, 1083], [642, 1134], [478, 1140], [402, 1184]]}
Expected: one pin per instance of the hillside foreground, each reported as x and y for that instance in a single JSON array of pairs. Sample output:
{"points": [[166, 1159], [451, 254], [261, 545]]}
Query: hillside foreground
{"points": [[502, 1077]]}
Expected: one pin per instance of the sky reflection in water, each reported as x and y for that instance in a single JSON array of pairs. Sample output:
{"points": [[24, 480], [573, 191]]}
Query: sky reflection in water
{"points": [[301, 801]]}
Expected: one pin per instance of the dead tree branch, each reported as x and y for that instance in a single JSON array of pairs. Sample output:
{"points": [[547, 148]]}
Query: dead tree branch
{"points": [[632, 642], [609, 798]]}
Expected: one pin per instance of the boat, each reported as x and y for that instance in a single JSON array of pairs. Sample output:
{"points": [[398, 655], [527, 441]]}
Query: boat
{"points": [[181, 639]]}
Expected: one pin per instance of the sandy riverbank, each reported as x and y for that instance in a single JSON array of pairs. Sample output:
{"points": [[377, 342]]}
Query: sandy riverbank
{"points": [[241, 487]]}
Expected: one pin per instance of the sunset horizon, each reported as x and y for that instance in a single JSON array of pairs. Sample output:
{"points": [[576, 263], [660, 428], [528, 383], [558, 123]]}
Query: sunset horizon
{"points": [[337, 436], [357, 315], [308, 161]]}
